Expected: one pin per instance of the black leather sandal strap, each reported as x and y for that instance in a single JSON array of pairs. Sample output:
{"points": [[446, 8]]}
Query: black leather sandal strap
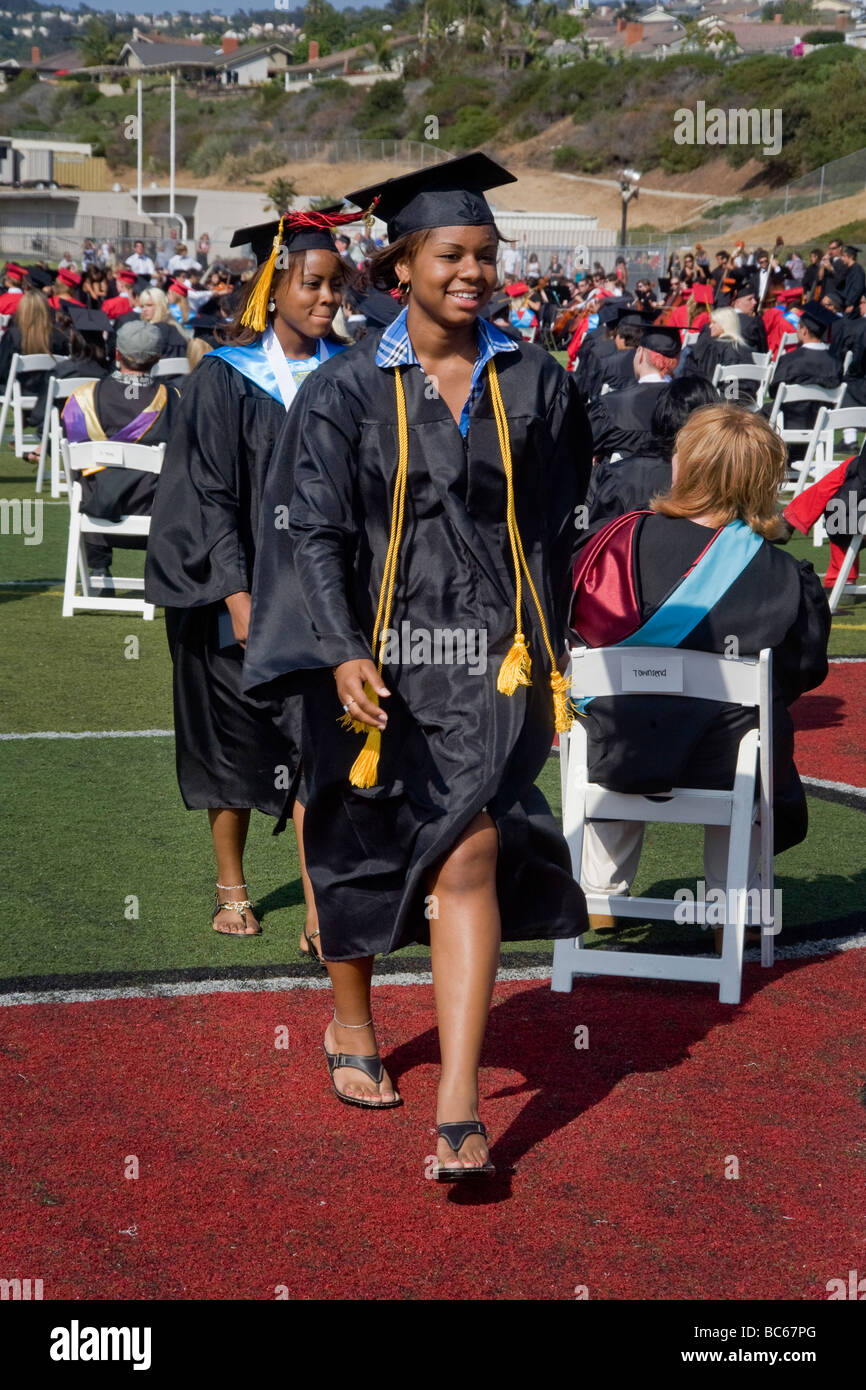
{"points": [[370, 1066], [457, 1132]]}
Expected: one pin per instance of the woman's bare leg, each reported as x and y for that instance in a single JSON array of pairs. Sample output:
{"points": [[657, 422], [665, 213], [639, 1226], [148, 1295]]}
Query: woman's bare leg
{"points": [[229, 830], [350, 980], [311, 922], [465, 937]]}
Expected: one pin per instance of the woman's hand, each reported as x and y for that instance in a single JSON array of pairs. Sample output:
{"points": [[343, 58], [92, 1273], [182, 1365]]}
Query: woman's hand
{"points": [[351, 677], [239, 610]]}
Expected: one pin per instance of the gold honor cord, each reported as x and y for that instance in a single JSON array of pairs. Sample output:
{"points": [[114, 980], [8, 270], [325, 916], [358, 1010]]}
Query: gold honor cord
{"points": [[517, 665], [365, 769], [516, 668]]}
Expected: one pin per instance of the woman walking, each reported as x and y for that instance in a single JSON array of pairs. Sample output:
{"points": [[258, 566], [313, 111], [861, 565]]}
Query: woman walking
{"points": [[231, 754], [431, 478]]}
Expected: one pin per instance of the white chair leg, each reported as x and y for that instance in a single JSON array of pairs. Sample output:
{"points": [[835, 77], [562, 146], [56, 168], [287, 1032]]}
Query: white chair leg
{"points": [[562, 980], [737, 885], [844, 571], [43, 454], [74, 549], [18, 428], [4, 411]]}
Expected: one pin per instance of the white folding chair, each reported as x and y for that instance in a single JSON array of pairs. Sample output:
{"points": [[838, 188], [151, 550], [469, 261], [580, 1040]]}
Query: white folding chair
{"points": [[529, 335], [145, 458], [170, 366], [690, 336], [821, 451], [760, 376], [14, 396], [701, 675], [787, 340], [762, 359], [57, 390], [846, 361], [790, 395]]}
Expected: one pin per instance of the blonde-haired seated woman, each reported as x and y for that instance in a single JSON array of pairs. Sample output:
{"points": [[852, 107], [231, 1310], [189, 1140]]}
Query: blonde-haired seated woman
{"points": [[155, 309], [704, 575], [719, 344]]}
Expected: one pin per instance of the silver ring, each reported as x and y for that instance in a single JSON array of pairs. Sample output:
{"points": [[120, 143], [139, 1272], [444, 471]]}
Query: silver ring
{"points": [[346, 708]]}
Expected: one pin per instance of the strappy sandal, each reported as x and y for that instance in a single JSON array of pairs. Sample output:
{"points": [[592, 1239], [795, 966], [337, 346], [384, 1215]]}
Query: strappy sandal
{"points": [[371, 1066], [455, 1135], [239, 907], [311, 953]]}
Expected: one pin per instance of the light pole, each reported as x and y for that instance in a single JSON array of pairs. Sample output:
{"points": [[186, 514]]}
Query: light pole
{"points": [[629, 179]]}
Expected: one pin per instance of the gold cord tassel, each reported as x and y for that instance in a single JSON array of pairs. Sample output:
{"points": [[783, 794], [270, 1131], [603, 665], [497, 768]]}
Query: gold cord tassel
{"points": [[517, 666], [516, 669], [365, 769], [255, 315]]}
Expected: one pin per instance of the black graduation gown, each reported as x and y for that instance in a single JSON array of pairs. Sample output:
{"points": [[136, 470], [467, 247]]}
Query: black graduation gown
{"points": [[853, 287], [648, 743], [453, 745], [627, 485], [113, 493], [753, 332], [616, 371], [596, 346], [706, 353], [75, 366], [621, 421], [230, 751], [172, 341], [803, 367]]}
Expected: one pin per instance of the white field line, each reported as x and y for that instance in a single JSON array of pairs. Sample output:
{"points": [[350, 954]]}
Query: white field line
{"points": [[286, 983], [834, 786], [90, 733]]}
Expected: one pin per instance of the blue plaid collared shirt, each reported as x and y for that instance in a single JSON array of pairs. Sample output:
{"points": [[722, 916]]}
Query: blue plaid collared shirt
{"points": [[395, 350]]}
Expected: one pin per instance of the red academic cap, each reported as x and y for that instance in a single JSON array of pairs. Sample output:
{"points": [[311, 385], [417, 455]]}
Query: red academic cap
{"points": [[519, 287], [179, 287], [702, 294], [794, 292], [17, 272], [69, 277], [127, 277]]}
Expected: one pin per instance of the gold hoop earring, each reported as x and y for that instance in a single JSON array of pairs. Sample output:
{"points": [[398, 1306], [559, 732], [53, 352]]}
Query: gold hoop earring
{"points": [[404, 286]]}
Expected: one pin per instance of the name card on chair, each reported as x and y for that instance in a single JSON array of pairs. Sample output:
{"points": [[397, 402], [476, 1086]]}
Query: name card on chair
{"points": [[106, 452], [664, 673]]}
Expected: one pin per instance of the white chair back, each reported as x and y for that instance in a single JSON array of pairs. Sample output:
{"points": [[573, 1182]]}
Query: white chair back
{"points": [[726, 376], [143, 458], [58, 389], [681, 674], [170, 366]]}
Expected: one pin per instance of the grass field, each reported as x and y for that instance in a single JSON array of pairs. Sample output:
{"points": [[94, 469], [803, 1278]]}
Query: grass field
{"points": [[106, 873]]}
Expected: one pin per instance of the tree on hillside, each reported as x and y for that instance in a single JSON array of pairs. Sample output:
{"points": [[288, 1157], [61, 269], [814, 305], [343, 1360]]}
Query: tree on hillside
{"points": [[97, 45]]}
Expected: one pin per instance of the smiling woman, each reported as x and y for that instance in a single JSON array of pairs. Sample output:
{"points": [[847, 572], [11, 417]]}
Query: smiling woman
{"points": [[431, 476]]}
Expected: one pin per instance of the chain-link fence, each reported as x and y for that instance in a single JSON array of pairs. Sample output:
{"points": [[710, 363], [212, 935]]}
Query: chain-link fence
{"points": [[413, 152], [48, 236]]}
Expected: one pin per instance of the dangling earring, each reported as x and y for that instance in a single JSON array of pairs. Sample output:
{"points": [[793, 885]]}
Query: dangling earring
{"points": [[404, 286], [271, 306]]}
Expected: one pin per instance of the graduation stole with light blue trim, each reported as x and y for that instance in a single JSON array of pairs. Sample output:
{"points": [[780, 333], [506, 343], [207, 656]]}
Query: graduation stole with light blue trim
{"points": [[252, 362], [716, 569]]}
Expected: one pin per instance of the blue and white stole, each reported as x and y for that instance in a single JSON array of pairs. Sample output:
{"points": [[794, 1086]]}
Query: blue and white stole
{"points": [[265, 364]]}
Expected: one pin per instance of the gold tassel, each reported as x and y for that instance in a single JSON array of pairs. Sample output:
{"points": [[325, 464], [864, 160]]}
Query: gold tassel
{"points": [[365, 768], [564, 712], [516, 668], [255, 315]]}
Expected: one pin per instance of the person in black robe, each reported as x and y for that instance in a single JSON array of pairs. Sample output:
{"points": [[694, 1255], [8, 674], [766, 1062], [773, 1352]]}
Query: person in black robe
{"points": [[840, 498], [852, 287], [810, 364], [714, 347], [237, 752], [429, 828], [32, 321], [130, 406], [596, 345], [621, 421], [617, 370], [85, 333], [630, 483], [727, 466]]}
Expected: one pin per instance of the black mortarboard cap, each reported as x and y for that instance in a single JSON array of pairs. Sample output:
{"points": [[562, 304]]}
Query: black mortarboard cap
{"points": [[817, 318], [450, 194], [39, 277], [667, 341], [142, 282], [89, 320], [635, 318], [203, 325]]}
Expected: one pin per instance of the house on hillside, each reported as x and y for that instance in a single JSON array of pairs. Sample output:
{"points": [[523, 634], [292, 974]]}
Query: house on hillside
{"points": [[355, 65], [193, 61], [248, 66], [659, 38]]}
